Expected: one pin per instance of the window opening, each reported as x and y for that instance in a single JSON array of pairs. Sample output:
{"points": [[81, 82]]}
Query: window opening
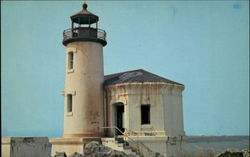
{"points": [[145, 114], [70, 60], [69, 103]]}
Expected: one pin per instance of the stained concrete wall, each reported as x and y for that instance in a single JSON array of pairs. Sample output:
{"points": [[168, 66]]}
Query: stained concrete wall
{"points": [[192, 146], [70, 145], [187, 146], [26, 147], [166, 113], [173, 110], [84, 82], [67, 145], [213, 144], [5, 146]]}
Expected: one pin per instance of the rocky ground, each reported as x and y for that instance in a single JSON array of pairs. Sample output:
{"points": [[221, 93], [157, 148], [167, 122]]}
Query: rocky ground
{"points": [[231, 153], [94, 149]]}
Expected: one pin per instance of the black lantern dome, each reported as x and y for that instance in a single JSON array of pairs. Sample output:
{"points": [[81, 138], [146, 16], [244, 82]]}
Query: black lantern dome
{"points": [[84, 16], [83, 31]]}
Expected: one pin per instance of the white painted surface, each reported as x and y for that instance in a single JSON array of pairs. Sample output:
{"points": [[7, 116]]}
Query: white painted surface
{"points": [[166, 113], [84, 82]]}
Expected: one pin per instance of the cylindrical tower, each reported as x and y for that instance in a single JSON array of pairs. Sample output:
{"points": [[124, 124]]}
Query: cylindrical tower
{"points": [[83, 109]]}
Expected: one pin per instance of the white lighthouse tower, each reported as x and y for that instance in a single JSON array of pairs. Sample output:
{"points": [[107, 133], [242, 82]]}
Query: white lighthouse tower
{"points": [[83, 109]]}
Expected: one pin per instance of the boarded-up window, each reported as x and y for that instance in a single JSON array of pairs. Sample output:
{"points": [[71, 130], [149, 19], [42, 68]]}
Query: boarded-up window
{"points": [[145, 114], [70, 60], [69, 103]]}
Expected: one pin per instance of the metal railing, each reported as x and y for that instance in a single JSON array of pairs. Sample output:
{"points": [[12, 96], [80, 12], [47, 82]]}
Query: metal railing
{"points": [[92, 33], [138, 146]]}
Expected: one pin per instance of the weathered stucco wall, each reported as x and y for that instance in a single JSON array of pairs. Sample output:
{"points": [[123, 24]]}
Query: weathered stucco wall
{"points": [[85, 82], [26, 147], [187, 146], [173, 110], [70, 145], [5, 146], [166, 113], [192, 146], [213, 144]]}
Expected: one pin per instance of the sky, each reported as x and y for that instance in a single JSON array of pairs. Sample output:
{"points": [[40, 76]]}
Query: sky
{"points": [[201, 44]]}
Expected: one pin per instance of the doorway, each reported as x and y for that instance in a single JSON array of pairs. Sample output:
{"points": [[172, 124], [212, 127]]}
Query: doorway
{"points": [[120, 118]]}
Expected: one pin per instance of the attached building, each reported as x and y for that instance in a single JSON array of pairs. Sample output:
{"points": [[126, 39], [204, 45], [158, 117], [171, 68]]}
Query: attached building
{"points": [[141, 103]]}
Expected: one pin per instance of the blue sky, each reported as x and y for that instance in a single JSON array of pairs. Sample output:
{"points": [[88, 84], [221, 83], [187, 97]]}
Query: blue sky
{"points": [[203, 45]]}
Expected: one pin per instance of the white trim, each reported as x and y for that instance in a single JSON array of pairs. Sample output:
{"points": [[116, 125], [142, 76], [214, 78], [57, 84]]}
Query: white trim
{"points": [[69, 114]]}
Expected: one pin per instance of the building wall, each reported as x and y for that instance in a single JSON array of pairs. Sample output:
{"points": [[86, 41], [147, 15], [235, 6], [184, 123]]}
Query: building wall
{"points": [[166, 114], [25, 147], [5, 146], [213, 144], [110, 100], [194, 146], [187, 146], [173, 110], [70, 145], [145, 94], [85, 83]]}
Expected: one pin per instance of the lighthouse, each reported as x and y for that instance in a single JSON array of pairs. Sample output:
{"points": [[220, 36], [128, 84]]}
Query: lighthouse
{"points": [[84, 76]]}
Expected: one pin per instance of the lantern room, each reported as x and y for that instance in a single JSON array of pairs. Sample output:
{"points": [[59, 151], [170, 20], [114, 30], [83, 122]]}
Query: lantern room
{"points": [[84, 27]]}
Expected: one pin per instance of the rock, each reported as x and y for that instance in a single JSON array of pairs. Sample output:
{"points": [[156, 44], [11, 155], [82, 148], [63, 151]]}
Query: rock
{"points": [[234, 153], [76, 155], [246, 153], [60, 154], [157, 154], [94, 149]]}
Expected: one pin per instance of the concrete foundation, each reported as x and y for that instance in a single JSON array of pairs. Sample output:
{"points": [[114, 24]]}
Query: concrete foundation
{"points": [[70, 145], [5, 146], [192, 146], [26, 147], [188, 146]]}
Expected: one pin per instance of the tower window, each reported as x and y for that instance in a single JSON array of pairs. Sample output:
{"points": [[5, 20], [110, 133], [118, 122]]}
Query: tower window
{"points": [[69, 103], [70, 60], [145, 114]]}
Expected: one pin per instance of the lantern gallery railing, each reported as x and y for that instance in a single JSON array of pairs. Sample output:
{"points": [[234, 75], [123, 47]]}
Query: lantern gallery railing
{"points": [[84, 32]]}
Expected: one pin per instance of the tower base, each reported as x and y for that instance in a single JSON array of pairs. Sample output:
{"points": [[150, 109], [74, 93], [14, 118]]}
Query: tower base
{"points": [[70, 145], [83, 135]]}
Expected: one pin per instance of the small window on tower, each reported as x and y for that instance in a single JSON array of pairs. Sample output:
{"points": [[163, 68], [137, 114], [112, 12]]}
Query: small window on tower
{"points": [[70, 60], [69, 103], [145, 114]]}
